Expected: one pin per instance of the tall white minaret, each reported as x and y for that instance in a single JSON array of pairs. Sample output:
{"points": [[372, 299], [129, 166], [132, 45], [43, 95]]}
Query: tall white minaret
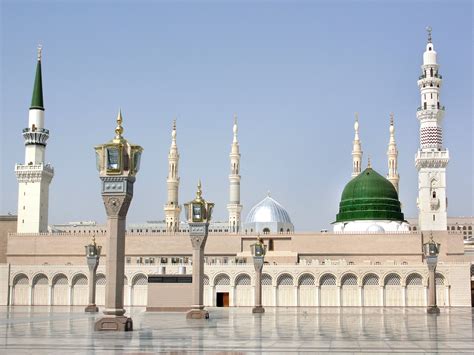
{"points": [[356, 149], [234, 207], [432, 158], [172, 208], [392, 155], [35, 175]]}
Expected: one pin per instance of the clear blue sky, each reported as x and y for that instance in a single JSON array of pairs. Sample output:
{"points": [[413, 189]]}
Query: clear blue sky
{"points": [[294, 72]]}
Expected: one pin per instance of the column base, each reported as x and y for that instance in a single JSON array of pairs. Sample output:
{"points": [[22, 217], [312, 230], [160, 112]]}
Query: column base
{"points": [[92, 308], [197, 314], [114, 323], [433, 310], [258, 309]]}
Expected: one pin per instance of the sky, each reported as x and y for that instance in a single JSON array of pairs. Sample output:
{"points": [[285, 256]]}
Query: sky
{"points": [[294, 72]]}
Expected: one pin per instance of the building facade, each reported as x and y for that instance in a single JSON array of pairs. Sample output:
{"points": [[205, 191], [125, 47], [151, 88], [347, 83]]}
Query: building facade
{"points": [[372, 259]]}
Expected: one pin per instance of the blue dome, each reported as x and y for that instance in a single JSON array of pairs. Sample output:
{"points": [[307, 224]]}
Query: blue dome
{"points": [[268, 210]]}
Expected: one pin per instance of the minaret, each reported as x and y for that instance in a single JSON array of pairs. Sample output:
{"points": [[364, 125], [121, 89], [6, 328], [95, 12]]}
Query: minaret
{"points": [[172, 208], [356, 149], [234, 207], [392, 155], [34, 176], [432, 158]]}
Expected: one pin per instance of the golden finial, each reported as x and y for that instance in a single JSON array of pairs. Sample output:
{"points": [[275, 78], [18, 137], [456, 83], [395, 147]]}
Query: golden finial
{"points": [[40, 48], [235, 118], [174, 124], [369, 165], [429, 29], [199, 191], [119, 128], [93, 240], [391, 118], [357, 116]]}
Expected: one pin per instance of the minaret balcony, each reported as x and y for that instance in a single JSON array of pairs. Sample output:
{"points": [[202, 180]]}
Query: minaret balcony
{"points": [[431, 107], [31, 167], [423, 76], [35, 136], [432, 159]]}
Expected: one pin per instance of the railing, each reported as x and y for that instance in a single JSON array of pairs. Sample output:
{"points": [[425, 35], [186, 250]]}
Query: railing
{"points": [[21, 167], [423, 76], [432, 107], [37, 130]]}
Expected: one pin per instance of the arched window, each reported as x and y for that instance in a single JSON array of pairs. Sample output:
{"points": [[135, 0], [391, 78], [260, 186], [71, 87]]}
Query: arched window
{"points": [[434, 194], [266, 231]]}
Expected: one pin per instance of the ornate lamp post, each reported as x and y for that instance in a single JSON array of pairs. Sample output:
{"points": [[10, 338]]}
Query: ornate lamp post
{"points": [[198, 214], [431, 251], [118, 161], [93, 255], [258, 252]]}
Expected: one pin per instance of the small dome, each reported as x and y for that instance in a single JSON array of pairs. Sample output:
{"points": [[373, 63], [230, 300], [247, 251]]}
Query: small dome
{"points": [[375, 228], [369, 196], [268, 210]]}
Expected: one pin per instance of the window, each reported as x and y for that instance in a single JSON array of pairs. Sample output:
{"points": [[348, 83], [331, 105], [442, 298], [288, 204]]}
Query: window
{"points": [[266, 231], [434, 218], [424, 105], [434, 194], [270, 245]]}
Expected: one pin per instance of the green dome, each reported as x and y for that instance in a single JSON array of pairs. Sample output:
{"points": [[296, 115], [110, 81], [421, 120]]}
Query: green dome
{"points": [[369, 196]]}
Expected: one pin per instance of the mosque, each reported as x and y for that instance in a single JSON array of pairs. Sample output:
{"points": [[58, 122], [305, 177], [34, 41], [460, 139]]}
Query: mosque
{"points": [[373, 257]]}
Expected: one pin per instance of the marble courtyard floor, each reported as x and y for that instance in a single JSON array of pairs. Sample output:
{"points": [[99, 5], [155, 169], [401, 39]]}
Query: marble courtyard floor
{"points": [[68, 330]]}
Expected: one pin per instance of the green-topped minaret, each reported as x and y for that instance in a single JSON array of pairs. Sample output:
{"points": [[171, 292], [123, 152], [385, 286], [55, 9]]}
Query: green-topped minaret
{"points": [[35, 175], [37, 98]]}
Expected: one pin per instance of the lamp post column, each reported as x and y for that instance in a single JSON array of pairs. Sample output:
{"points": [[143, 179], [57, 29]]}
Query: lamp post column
{"points": [[198, 213], [118, 161], [432, 261], [258, 265], [198, 233], [92, 263]]}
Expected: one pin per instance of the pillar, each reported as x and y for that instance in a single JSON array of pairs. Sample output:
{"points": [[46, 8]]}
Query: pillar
{"points": [[258, 265], [116, 206], [92, 263], [198, 232]]}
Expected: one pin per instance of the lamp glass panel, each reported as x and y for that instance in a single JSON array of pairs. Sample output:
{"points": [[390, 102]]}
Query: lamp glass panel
{"points": [[197, 212], [98, 159], [113, 158], [136, 160]]}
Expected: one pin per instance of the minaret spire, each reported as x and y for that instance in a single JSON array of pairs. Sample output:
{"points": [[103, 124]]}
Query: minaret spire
{"points": [[34, 176], [172, 207], [432, 157], [37, 97], [234, 207], [392, 155], [356, 149]]}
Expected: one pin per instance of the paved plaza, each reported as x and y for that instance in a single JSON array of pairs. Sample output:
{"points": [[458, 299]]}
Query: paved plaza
{"points": [[44, 330]]}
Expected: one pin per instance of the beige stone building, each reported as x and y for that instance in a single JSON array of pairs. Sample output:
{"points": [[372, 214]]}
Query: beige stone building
{"points": [[373, 257]]}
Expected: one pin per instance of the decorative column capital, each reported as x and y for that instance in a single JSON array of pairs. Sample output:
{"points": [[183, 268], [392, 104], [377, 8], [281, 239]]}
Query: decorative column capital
{"points": [[258, 263], [198, 233], [116, 205]]}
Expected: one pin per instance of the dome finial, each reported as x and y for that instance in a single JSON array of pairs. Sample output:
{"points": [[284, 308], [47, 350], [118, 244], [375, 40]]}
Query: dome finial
{"points": [[429, 29], [268, 193], [235, 128], [369, 165], [40, 48], [119, 128], [199, 191]]}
